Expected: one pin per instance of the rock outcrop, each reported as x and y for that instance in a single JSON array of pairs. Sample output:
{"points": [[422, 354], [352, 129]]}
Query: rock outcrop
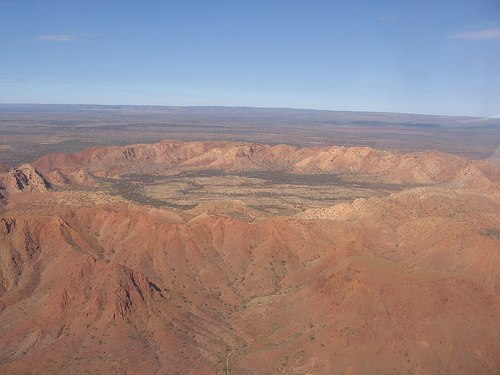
{"points": [[22, 179], [429, 167], [404, 283]]}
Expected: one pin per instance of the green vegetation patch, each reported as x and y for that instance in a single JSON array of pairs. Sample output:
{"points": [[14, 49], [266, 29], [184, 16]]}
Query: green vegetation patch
{"points": [[280, 178], [493, 233]]}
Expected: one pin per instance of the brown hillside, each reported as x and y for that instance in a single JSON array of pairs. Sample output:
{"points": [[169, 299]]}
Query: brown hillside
{"points": [[423, 168], [407, 282]]}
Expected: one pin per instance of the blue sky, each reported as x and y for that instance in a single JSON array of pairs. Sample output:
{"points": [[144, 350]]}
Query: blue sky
{"points": [[432, 57]]}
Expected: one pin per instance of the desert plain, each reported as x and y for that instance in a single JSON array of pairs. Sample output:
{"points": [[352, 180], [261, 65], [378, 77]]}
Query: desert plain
{"points": [[212, 240]]}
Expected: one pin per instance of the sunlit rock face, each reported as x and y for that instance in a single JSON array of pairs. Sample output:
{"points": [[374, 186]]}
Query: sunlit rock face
{"points": [[406, 282]]}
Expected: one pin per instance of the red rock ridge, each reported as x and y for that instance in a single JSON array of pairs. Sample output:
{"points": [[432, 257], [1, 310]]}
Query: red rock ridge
{"points": [[429, 167]]}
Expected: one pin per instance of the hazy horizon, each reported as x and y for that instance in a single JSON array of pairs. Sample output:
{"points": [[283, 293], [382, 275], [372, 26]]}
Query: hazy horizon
{"points": [[242, 107], [400, 57]]}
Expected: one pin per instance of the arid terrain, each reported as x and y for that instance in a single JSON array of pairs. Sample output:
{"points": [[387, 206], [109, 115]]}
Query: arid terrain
{"points": [[218, 252], [29, 131]]}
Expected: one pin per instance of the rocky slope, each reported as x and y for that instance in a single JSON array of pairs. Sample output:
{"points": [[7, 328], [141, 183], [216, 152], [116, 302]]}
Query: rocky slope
{"points": [[408, 283], [24, 178], [423, 168]]}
